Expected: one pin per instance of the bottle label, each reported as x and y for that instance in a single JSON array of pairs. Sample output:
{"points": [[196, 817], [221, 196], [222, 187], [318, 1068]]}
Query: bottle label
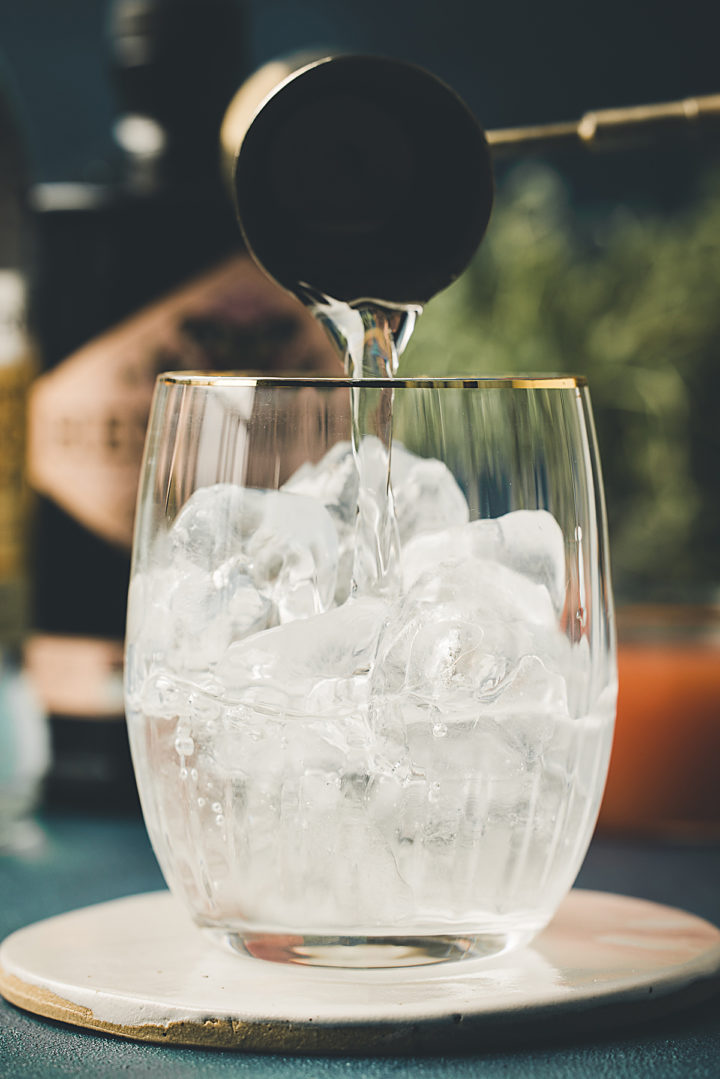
{"points": [[88, 415], [80, 677]]}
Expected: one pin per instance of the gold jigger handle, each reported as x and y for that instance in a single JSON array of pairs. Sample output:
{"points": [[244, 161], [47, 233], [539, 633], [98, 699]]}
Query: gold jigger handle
{"points": [[613, 128]]}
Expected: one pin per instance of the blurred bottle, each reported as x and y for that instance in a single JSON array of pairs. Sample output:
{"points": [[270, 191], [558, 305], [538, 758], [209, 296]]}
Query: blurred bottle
{"points": [[23, 735], [142, 272], [151, 218]]}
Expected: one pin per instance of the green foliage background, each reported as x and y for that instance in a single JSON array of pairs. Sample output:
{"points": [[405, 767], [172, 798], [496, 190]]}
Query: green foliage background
{"points": [[632, 301]]}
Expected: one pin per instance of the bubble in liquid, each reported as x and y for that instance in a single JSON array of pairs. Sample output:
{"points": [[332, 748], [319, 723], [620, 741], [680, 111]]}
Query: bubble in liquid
{"points": [[184, 745]]}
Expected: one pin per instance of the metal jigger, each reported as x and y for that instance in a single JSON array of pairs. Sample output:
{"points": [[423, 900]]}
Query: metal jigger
{"points": [[368, 180], [365, 180]]}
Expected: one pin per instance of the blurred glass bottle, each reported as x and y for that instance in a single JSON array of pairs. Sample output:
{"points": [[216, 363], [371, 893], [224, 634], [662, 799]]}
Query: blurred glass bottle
{"points": [[23, 734], [155, 216]]}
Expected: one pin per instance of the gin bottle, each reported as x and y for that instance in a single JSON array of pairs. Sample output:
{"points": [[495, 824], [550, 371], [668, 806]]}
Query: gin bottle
{"points": [[111, 242]]}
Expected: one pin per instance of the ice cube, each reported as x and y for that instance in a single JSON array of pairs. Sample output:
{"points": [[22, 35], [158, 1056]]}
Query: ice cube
{"points": [[238, 600], [353, 487], [427, 496], [469, 642], [333, 481], [186, 618], [215, 523], [533, 544], [294, 555], [530, 542], [150, 631], [316, 666], [284, 543], [354, 490], [482, 590]]}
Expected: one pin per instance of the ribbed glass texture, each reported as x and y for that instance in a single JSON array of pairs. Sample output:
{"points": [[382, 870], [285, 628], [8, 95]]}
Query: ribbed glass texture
{"points": [[370, 665]]}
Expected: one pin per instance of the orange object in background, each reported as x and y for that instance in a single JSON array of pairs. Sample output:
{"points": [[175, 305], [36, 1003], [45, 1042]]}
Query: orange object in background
{"points": [[665, 767]]}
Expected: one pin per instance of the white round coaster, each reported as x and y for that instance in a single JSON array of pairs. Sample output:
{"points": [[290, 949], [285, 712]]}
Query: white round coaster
{"points": [[139, 968]]}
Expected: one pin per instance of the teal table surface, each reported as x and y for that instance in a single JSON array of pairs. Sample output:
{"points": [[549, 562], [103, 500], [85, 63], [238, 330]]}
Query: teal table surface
{"points": [[82, 860]]}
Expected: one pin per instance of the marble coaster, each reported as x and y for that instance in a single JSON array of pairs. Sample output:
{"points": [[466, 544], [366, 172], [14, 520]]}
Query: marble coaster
{"points": [[139, 968]]}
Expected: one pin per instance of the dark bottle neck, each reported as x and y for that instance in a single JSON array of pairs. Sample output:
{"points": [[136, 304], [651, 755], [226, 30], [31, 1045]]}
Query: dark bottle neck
{"points": [[175, 65], [14, 222], [153, 159]]}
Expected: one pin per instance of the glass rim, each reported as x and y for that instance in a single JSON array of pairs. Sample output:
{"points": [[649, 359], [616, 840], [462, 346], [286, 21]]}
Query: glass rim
{"points": [[421, 382]]}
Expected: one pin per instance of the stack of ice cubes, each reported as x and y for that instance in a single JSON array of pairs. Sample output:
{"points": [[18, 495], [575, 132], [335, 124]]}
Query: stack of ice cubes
{"points": [[252, 597], [351, 754]]}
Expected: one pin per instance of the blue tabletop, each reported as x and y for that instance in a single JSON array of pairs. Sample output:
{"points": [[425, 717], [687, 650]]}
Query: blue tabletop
{"points": [[82, 860]]}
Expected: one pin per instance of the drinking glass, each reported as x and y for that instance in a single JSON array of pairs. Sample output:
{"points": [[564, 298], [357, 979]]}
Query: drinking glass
{"points": [[370, 668]]}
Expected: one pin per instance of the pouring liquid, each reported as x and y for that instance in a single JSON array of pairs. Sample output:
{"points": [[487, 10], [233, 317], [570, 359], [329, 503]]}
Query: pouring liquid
{"points": [[369, 339]]}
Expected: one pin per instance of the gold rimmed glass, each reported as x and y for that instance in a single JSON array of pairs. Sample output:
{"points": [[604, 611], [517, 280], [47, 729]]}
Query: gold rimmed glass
{"points": [[370, 664]]}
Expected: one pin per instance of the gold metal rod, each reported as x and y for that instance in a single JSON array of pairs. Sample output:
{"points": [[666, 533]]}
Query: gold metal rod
{"points": [[613, 128]]}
